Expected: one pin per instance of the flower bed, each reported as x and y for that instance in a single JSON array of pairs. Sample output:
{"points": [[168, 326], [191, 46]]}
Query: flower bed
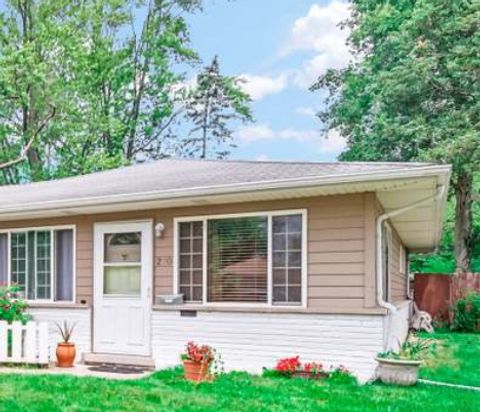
{"points": [[295, 368]]}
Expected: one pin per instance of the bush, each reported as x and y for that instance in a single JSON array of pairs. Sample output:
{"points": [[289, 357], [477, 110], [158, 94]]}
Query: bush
{"points": [[12, 308], [343, 376], [466, 313]]}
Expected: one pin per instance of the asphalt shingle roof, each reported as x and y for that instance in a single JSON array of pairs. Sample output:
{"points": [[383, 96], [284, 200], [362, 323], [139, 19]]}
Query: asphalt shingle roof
{"points": [[174, 174]]}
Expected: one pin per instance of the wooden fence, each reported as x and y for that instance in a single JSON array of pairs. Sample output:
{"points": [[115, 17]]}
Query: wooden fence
{"points": [[435, 293], [24, 343]]}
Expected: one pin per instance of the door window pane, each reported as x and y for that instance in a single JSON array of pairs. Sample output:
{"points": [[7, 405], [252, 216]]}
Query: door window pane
{"points": [[123, 247], [122, 280]]}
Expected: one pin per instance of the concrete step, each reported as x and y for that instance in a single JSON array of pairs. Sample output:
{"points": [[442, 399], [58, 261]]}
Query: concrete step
{"points": [[118, 359]]}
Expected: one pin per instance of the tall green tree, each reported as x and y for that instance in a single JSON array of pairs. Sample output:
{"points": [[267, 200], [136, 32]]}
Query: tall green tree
{"points": [[88, 85], [213, 105], [413, 93]]}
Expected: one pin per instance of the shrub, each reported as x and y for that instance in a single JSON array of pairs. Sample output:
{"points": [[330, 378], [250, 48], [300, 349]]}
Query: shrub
{"points": [[466, 313], [342, 375], [412, 349], [12, 308]]}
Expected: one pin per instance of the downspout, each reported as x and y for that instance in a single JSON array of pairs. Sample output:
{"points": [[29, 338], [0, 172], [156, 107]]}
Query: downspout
{"points": [[381, 302]]}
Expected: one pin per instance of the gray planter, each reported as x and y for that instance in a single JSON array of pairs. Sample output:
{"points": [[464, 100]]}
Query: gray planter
{"points": [[398, 372]]}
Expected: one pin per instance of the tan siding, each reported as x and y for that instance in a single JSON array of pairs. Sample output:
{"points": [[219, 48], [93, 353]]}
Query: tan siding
{"points": [[398, 277], [337, 237], [370, 209]]}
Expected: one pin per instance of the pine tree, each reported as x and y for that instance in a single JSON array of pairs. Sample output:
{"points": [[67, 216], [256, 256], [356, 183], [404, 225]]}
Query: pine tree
{"points": [[213, 105]]}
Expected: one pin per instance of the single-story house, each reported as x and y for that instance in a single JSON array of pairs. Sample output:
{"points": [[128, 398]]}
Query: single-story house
{"points": [[272, 259]]}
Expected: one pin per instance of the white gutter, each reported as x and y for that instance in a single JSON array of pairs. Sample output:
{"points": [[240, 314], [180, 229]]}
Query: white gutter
{"points": [[382, 218]]}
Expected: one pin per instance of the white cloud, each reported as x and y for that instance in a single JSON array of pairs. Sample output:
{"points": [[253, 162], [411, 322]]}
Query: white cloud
{"points": [[264, 132], [319, 32], [306, 111], [262, 158], [255, 132], [260, 86], [333, 143]]}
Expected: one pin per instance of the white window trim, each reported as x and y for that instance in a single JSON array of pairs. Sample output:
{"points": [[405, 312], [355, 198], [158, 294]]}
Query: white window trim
{"points": [[269, 215], [52, 300]]}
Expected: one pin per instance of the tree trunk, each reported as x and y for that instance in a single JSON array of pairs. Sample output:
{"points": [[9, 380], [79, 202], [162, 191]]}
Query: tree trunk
{"points": [[463, 222]]}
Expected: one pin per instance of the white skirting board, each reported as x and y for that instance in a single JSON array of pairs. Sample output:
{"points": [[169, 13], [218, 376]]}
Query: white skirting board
{"points": [[249, 341], [81, 335]]}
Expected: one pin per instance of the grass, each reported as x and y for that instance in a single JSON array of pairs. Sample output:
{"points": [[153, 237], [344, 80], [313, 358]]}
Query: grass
{"points": [[456, 359], [167, 391]]}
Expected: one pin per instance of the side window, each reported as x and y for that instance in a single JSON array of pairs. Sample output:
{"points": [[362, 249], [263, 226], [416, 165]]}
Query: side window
{"points": [[40, 262]]}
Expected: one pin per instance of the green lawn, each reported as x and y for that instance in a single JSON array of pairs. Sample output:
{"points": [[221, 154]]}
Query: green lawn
{"points": [[167, 391], [455, 360]]}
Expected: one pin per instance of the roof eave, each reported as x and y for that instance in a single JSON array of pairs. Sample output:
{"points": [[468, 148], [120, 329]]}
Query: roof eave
{"points": [[127, 198]]}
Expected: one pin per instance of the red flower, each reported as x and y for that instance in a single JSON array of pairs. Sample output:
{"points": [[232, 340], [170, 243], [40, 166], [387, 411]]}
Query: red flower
{"points": [[313, 367], [288, 365], [200, 354]]}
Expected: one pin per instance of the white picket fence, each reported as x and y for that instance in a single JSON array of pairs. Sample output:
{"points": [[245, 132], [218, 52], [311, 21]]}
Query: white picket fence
{"points": [[29, 342]]}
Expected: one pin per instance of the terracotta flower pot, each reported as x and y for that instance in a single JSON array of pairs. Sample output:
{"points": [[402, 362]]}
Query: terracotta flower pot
{"points": [[65, 355], [196, 371]]}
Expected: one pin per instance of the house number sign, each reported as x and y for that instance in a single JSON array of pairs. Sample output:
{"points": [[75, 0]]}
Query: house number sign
{"points": [[163, 261]]}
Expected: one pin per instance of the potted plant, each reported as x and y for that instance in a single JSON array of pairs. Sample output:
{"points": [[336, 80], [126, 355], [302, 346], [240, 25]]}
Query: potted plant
{"points": [[401, 367], [199, 362], [293, 367], [65, 350]]}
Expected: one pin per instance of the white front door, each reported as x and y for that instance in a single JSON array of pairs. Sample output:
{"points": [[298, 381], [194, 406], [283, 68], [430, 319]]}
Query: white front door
{"points": [[123, 275]]}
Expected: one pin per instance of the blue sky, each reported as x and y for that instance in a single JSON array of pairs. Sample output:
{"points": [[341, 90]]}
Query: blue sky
{"points": [[279, 47]]}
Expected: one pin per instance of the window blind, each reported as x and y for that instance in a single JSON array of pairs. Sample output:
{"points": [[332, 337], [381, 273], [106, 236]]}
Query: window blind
{"points": [[237, 268]]}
